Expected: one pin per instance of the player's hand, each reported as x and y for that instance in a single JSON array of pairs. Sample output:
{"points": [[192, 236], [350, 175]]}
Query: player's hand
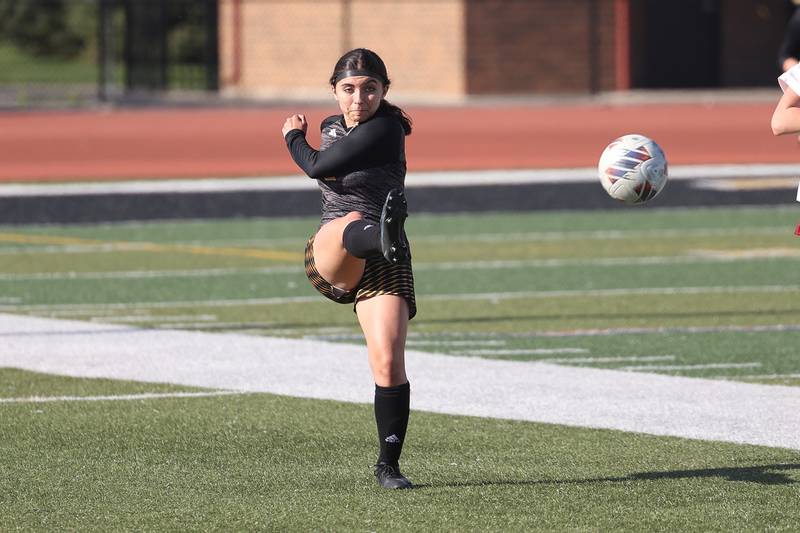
{"points": [[295, 122]]}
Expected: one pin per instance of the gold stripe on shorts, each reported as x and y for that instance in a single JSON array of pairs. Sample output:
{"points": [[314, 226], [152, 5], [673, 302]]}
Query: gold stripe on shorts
{"points": [[380, 277], [323, 287]]}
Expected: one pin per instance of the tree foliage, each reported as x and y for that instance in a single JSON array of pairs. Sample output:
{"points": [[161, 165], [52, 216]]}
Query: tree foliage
{"points": [[56, 28]]}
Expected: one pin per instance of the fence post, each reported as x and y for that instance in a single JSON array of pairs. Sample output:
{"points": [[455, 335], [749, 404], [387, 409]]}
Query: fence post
{"points": [[105, 49]]}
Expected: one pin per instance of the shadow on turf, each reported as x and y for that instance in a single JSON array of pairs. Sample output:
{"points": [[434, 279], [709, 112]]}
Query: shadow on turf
{"points": [[765, 475]]}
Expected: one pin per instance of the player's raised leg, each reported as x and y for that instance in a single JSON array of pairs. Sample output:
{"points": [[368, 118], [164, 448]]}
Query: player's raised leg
{"points": [[334, 263]]}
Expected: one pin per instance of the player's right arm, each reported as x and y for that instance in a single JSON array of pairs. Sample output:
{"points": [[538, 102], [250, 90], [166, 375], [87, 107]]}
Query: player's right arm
{"points": [[375, 142], [786, 117]]}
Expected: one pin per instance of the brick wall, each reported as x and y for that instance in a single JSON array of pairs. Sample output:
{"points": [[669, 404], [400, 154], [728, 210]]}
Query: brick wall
{"points": [[449, 49], [421, 41], [539, 46], [289, 48], [434, 49]]}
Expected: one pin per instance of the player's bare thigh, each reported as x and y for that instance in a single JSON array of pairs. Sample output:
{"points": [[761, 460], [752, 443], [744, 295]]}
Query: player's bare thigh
{"points": [[333, 262]]}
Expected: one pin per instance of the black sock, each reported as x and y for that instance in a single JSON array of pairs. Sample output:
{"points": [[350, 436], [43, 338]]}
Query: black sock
{"points": [[391, 415], [362, 239]]}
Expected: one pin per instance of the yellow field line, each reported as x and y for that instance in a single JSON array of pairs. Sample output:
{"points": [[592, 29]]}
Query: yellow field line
{"points": [[23, 238], [258, 253]]}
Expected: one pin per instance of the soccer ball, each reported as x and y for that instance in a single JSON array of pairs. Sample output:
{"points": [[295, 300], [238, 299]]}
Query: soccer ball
{"points": [[633, 169]]}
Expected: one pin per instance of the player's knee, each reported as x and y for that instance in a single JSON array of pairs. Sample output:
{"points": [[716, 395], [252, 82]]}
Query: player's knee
{"points": [[387, 369]]}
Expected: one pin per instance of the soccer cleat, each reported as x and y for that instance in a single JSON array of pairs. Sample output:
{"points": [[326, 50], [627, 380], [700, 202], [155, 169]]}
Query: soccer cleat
{"points": [[394, 245], [389, 477]]}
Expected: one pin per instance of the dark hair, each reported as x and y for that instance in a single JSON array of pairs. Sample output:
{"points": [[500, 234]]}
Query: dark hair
{"points": [[361, 61]]}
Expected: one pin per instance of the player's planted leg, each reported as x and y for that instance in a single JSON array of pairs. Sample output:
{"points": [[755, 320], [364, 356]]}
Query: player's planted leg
{"points": [[391, 416], [389, 477]]}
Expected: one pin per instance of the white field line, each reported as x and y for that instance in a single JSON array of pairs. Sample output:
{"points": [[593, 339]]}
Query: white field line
{"points": [[691, 367], [762, 376], [501, 296], [693, 258], [267, 327], [148, 274], [708, 256], [545, 236], [569, 395], [599, 360], [297, 182], [199, 319], [531, 351], [491, 296], [768, 328], [594, 235], [119, 397], [412, 342]]}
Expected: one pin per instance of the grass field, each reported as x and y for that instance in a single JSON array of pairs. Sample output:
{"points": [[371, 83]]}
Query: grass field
{"points": [[19, 67], [694, 292]]}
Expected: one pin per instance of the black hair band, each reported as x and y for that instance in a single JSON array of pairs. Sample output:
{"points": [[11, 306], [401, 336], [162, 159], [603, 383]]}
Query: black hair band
{"points": [[358, 72]]}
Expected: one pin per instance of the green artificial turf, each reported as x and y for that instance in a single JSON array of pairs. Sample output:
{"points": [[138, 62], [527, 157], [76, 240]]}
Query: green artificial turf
{"points": [[261, 462]]}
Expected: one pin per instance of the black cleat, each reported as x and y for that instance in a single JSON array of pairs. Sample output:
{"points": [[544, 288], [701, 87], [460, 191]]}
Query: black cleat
{"points": [[389, 477], [393, 239]]}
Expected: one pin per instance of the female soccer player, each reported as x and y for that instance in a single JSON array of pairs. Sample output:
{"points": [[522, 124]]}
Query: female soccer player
{"points": [[360, 253], [786, 117]]}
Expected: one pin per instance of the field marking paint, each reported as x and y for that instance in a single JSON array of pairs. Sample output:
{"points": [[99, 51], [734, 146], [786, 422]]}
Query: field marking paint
{"points": [[73, 245], [500, 296], [24, 238], [298, 182], [600, 360], [594, 235], [762, 376], [200, 319], [151, 274], [522, 351], [768, 328], [650, 403], [691, 367], [694, 257], [119, 397], [748, 253], [412, 342], [491, 296]]}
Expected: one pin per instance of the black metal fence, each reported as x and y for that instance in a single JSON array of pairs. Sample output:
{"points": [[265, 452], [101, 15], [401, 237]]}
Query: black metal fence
{"points": [[56, 53]]}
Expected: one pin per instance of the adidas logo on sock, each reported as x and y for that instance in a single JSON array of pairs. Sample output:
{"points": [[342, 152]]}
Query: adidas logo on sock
{"points": [[392, 439]]}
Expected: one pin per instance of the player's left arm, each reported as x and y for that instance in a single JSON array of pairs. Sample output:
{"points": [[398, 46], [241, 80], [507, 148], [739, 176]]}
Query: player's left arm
{"points": [[786, 117]]}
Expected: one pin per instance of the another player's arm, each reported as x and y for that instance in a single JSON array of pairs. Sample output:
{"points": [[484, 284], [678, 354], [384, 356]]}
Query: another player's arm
{"points": [[786, 117], [372, 143]]}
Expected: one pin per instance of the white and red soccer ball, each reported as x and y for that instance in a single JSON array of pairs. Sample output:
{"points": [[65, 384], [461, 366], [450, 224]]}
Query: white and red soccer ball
{"points": [[633, 169]]}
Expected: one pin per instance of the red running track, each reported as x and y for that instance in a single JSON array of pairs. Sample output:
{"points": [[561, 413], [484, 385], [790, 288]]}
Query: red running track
{"points": [[223, 142]]}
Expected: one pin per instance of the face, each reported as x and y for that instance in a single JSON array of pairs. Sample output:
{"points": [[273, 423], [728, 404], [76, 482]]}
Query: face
{"points": [[359, 97]]}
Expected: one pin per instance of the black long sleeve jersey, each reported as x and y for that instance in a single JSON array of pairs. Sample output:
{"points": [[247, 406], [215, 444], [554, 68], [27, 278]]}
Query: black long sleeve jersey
{"points": [[355, 167], [790, 46]]}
